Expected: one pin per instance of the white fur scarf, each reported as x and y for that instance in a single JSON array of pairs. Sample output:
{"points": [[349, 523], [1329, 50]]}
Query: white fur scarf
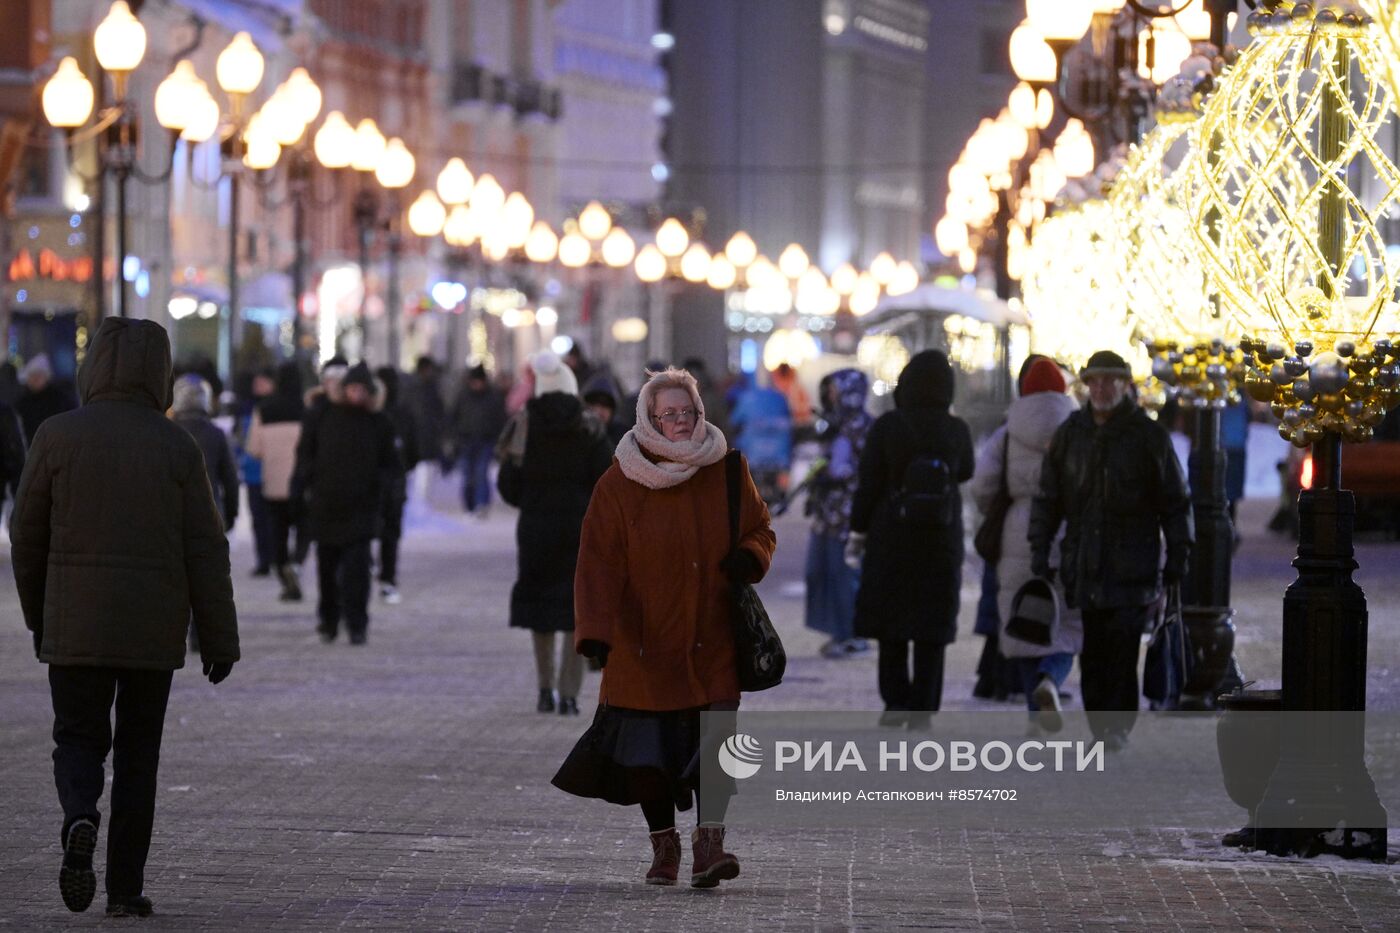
{"points": [[679, 461]]}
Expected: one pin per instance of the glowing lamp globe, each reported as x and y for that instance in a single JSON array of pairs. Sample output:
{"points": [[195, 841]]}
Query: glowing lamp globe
{"points": [[1031, 58], [543, 244], [369, 146], [239, 67], [334, 143], [1060, 20], [396, 166], [426, 215], [671, 238], [741, 250], [650, 264], [454, 182], [68, 95], [594, 221], [120, 39], [618, 249]]}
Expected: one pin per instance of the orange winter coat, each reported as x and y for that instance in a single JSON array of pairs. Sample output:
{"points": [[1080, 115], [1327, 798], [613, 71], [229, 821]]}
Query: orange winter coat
{"points": [[649, 586]]}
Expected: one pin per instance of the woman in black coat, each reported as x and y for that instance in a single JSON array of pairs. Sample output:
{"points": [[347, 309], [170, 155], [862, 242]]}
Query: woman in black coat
{"points": [[907, 536], [565, 451]]}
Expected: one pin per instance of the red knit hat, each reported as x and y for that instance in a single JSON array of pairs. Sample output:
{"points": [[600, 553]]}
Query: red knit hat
{"points": [[1043, 376]]}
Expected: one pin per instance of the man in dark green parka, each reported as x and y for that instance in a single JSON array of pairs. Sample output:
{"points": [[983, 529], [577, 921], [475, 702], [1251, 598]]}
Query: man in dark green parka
{"points": [[117, 546]]}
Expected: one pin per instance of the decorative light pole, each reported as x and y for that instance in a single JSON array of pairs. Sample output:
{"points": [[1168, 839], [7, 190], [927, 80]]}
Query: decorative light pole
{"points": [[1308, 272]]}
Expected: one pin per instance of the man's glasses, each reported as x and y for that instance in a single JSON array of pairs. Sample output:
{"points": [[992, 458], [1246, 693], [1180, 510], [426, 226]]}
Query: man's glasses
{"points": [[671, 416]]}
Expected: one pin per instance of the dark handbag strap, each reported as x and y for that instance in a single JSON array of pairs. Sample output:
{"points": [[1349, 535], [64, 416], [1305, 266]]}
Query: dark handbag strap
{"points": [[731, 484], [1005, 463]]}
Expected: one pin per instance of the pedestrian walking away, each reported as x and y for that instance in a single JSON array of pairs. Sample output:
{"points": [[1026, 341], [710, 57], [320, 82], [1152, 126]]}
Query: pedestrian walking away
{"points": [[193, 403], [117, 545], [565, 449], [907, 537], [40, 398], [652, 604], [478, 417], [346, 463], [387, 400], [250, 471], [831, 584], [1010, 460], [1113, 480], [273, 438]]}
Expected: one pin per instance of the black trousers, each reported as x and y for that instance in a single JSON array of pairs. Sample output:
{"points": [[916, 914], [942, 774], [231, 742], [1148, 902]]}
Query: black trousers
{"points": [[83, 698], [1108, 666], [923, 690], [279, 513], [343, 571], [262, 525], [389, 540]]}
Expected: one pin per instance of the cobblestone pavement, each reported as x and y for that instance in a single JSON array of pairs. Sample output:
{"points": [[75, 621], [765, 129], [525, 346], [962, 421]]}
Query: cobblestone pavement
{"points": [[405, 786]]}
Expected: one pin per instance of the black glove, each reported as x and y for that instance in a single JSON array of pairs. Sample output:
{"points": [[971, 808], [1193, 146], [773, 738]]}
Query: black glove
{"points": [[741, 566], [38, 642], [597, 650], [217, 671]]}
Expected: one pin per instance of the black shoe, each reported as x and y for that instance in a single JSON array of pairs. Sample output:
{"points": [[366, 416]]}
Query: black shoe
{"points": [[327, 635], [77, 882], [263, 571], [982, 691], [1240, 838], [568, 706], [546, 703], [138, 906], [358, 638]]}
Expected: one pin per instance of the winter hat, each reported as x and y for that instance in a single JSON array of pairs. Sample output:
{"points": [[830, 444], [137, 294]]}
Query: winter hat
{"points": [[39, 365], [1106, 363], [1043, 376], [551, 375], [192, 394], [359, 374], [478, 372]]}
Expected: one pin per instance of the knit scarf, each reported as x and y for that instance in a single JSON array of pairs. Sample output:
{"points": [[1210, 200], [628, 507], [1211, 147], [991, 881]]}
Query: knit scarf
{"points": [[675, 461]]}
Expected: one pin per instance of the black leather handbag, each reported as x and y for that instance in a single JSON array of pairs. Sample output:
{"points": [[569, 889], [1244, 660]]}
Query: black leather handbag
{"points": [[759, 657]]}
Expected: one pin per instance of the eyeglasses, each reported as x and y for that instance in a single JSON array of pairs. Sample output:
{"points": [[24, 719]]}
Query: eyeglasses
{"points": [[671, 416]]}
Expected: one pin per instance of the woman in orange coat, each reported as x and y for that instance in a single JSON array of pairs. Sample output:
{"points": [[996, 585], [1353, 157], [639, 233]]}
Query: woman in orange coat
{"points": [[652, 604]]}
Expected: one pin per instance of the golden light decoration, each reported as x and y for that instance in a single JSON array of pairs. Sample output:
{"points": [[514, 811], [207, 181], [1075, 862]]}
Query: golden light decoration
{"points": [[884, 356], [1386, 14], [1073, 288], [1305, 266], [1164, 279]]}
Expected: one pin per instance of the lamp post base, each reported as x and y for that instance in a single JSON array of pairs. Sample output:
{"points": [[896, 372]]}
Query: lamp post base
{"points": [[1214, 670]]}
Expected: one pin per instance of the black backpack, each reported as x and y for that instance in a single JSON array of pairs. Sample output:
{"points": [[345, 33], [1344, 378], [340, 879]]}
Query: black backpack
{"points": [[927, 496]]}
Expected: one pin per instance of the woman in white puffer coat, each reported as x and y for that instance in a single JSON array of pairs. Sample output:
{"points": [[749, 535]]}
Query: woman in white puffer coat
{"points": [[1018, 448]]}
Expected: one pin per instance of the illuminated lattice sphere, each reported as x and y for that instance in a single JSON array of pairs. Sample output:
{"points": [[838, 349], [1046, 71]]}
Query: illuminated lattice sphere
{"points": [[1292, 137], [1073, 290]]}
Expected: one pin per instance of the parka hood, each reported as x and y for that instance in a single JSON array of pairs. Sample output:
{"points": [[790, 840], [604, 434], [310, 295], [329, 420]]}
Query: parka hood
{"points": [[1033, 419], [129, 361], [851, 386], [925, 382]]}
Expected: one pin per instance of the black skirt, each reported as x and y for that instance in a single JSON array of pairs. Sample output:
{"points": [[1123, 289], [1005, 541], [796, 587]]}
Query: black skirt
{"points": [[627, 756]]}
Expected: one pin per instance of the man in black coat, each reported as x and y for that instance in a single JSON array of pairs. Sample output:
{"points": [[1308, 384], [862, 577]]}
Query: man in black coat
{"points": [[117, 546], [1112, 478], [41, 398], [346, 466]]}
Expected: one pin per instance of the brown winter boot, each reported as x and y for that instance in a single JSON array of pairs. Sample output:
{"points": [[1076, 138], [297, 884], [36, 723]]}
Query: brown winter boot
{"points": [[711, 863], [665, 857]]}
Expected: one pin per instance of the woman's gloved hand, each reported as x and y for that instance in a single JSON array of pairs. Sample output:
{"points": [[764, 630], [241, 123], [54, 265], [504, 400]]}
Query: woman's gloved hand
{"points": [[741, 566], [855, 550], [595, 650]]}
